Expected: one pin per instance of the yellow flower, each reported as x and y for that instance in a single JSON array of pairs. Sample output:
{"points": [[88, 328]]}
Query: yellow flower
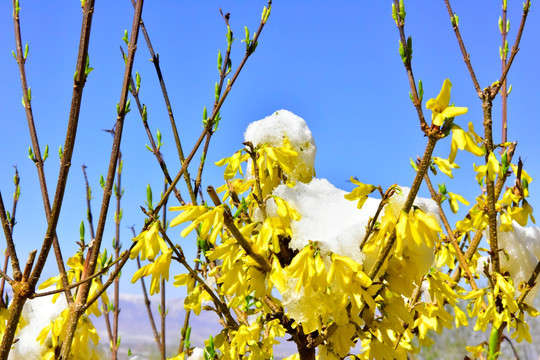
{"points": [[148, 243], [360, 193], [453, 199], [440, 108], [158, 269], [445, 166]]}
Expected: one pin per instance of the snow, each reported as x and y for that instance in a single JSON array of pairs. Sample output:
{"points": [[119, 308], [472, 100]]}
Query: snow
{"points": [[37, 313], [327, 217], [273, 129], [197, 354], [523, 248]]}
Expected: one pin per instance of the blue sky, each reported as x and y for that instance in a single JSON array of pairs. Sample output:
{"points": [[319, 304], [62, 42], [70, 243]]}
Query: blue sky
{"points": [[334, 64]]}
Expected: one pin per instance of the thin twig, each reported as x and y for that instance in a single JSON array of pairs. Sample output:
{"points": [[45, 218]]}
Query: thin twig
{"points": [[82, 295], [466, 56], [155, 61], [461, 259], [37, 158], [229, 223], [417, 102], [155, 150], [515, 49], [17, 274]]}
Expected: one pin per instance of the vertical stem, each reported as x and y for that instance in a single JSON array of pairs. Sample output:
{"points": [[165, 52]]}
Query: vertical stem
{"points": [[490, 185], [163, 311], [93, 253], [117, 245], [504, 85]]}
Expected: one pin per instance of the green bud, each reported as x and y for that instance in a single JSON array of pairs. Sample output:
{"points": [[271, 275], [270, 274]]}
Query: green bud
{"points": [[120, 166], [506, 48], [81, 232], [31, 154], [158, 135], [229, 36], [17, 193], [127, 109], [217, 92], [46, 153], [26, 51], [137, 81], [525, 183], [87, 68], [420, 90], [125, 37], [455, 20], [509, 90], [29, 94], [442, 189], [219, 60], [14, 56], [504, 161], [60, 152], [507, 26], [144, 114], [149, 197], [402, 52], [409, 48], [413, 164], [102, 182], [411, 97], [402, 12], [149, 148], [394, 14]]}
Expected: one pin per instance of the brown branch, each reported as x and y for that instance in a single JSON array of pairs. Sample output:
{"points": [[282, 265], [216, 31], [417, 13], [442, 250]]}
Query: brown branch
{"points": [[417, 102], [466, 56], [461, 259], [530, 283], [504, 85], [229, 223], [223, 309], [38, 160], [221, 98], [155, 150], [155, 61], [93, 254], [88, 207], [422, 169], [515, 49], [11, 252]]}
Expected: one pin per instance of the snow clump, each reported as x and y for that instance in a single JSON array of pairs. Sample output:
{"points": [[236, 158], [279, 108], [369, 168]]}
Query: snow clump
{"points": [[37, 314], [281, 125]]}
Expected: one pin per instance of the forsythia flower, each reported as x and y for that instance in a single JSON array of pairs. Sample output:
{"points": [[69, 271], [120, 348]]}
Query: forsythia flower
{"points": [[148, 243], [158, 269], [440, 107], [445, 166], [360, 193]]}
